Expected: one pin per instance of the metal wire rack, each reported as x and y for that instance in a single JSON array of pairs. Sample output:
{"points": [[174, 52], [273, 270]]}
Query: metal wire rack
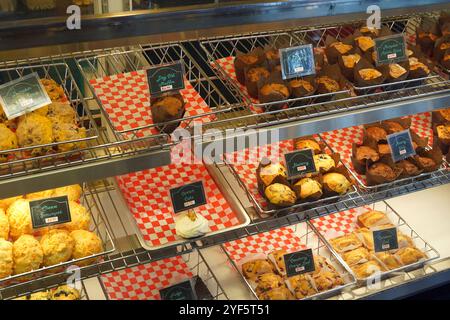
{"points": [[79, 285]]}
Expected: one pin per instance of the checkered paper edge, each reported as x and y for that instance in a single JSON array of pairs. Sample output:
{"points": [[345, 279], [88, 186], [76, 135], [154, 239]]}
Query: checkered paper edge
{"points": [[341, 140], [266, 242], [147, 196], [143, 282], [126, 99]]}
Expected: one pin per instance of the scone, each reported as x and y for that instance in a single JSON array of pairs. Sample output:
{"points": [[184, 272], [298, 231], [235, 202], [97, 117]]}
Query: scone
{"points": [[6, 258], [19, 218], [57, 246], [80, 217], [86, 244], [346, 242], [302, 286], [61, 111], [268, 281], [65, 292], [5, 203], [73, 192], [35, 130], [54, 90], [63, 131], [278, 257], [254, 268], [8, 141], [372, 219], [326, 280], [27, 254], [281, 293], [4, 225], [39, 195]]}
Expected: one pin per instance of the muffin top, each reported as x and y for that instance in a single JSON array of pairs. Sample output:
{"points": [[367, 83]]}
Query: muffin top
{"points": [[254, 74], [330, 85], [275, 88]]}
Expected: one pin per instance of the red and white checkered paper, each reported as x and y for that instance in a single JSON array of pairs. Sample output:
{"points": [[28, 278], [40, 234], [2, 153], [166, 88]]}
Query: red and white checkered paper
{"points": [[341, 140], [126, 99], [148, 198], [264, 243], [143, 282]]}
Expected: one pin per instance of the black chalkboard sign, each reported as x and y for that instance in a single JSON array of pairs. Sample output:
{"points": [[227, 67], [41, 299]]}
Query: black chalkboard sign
{"points": [[385, 239], [179, 291], [297, 61], [188, 196], [166, 78], [299, 262], [401, 145], [49, 211], [391, 49], [299, 162]]}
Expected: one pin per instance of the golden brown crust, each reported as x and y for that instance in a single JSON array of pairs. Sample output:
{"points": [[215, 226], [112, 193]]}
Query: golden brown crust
{"points": [[329, 84], [279, 88], [410, 255], [372, 218], [369, 74], [376, 133], [342, 48], [383, 170], [300, 144], [366, 153], [367, 269], [280, 195], [255, 74], [346, 242], [252, 269], [357, 256]]}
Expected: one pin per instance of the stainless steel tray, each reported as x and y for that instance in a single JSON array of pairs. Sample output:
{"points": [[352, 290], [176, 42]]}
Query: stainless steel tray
{"points": [[310, 239], [404, 228]]}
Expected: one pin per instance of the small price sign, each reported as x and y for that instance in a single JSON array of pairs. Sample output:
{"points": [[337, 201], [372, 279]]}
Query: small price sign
{"points": [[188, 196], [391, 49], [299, 262], [166, 78], [297, 61], [385, 239], [401, 145], [49, 211], [179, 291], [299, 162], [23, 95]]}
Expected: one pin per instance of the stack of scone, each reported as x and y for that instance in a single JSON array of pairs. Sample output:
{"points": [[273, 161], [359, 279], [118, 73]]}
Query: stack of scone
{"points": [[23, 249], [63, 292], [270, 282], [357, 247], [54, 123]]}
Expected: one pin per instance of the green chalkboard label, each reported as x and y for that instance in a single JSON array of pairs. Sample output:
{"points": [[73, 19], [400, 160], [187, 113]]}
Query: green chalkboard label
{"points": [[188, 196], [179, 291], [297, 61], [401, 145], [23, 95], [166, 78], [299, 162], [385, 239], [49, 212], [391, 49], [299, 262]]}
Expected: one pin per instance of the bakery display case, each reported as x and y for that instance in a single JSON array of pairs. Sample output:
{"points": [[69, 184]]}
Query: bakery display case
{"points": [[108, 142]]}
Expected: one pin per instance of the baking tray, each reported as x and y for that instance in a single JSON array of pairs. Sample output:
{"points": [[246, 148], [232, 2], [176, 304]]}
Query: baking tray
{"points": [[221, 53], [293, 238], [338, 224], [146, 194], [341, 141], [245, 174], [98, 226], [143, 282]]}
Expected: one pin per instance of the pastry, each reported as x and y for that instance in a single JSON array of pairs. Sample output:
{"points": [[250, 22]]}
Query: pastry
{"points": [[346, 242], [396, 71], [336, 182], [301, 88], [190, 225], [372, 219], [86, 244], [253, 78], [302, 286], [376, 133], [326, 280], [409, 168], [366, 236], [367, 31], [63, 131], [308, 188], [410, 255], [300, 144], [272, 57], [65, 292], [322, 263], [342, 48], [384, 149], [369, 74], [365, 43], [6, 258], [19, 217], [351, 60], [268, 281], [34, 130], [427, 164], [54, 90], [404, 241], [271, 172], [40, 296], [417, 68], [252, 269], [281, 293], [278, 257], [364, 153], [8, 141], [39, 195], [244, 62], [62, 112], [445, 114], [165, 109], [27, 254], [357, 256], [80, 217], [382, 170], [326, 84], [272, 92], [388, 260], [5, 203], [73, 192], [393, 127], [324, 162], [57, 246], [280, 195], [367, 269], [4, 225]]}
